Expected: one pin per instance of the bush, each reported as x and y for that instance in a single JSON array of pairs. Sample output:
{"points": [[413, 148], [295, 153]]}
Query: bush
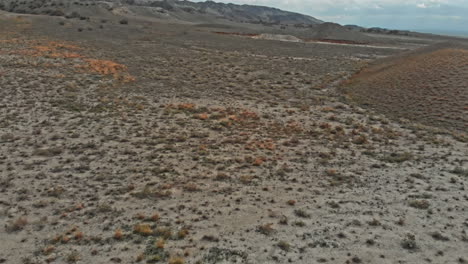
{"points": [[123, 21], [56, 13], [73, 15]]}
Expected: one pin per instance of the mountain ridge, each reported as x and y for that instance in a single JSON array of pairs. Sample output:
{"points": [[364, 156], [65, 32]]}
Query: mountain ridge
{"points": [[181, 10]]}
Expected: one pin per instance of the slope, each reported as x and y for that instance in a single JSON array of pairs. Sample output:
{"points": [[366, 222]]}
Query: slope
{"points": [[428, 85]]}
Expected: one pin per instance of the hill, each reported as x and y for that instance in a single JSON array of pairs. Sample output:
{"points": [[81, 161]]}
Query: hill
{"points": [[165, 9], [427, 85], [333, 31]]}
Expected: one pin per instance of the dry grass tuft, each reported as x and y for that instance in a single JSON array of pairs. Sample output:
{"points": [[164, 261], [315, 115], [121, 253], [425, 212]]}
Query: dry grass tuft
{"points": [[143, 229], [160, 243], [266, 229], [106, 67], [419, 204], [17, 225], [118, 234], [176, 260], [78, 235], [154, 217]]}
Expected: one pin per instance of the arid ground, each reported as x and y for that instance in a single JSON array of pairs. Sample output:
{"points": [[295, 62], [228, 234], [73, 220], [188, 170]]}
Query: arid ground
{"points": [[151, 142], [428, 85]]}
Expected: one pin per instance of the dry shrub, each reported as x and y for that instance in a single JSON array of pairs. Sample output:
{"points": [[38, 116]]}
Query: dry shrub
{"points": [[140, 257], [248, 115], [176, 260], [331, 172], [266, 144], [106, 67], [191, 187], [202, 116], [143, 229], [258, 161], [47, 250], [17, 225], [118, 234], [52, 49], [160, 243], [186, 106], [78, 235], [155, 217], [246, 179], [266, 229], [419, 204], [284, 245], [165, 232], [65, 239], [182, 233]]}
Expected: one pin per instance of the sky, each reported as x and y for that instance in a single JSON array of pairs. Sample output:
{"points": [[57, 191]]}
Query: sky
{"points": [[435, 16]]}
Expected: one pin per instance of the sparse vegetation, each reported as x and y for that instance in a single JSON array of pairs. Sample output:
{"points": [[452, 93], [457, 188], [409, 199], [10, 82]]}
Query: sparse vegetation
{"points": [[118, 233], [17, 225], [160, 243], [284, 246], [301, 213], [419, 204], [174, 144], [408, 90], [397, 157], [73, 257], [176, 260], [143, 229], [266, 229], [460, 171], [409, 242]]}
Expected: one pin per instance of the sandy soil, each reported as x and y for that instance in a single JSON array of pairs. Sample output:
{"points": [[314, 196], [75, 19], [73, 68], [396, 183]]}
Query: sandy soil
{"points": [[160, 143]]}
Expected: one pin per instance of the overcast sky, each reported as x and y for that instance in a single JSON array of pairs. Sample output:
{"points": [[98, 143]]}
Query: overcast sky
{"points": [[436, 15]]}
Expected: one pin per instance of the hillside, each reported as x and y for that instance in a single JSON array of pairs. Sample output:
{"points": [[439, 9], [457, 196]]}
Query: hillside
{"points": [[333, 31], [242, 13], [166, 9], [427, 85]]}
